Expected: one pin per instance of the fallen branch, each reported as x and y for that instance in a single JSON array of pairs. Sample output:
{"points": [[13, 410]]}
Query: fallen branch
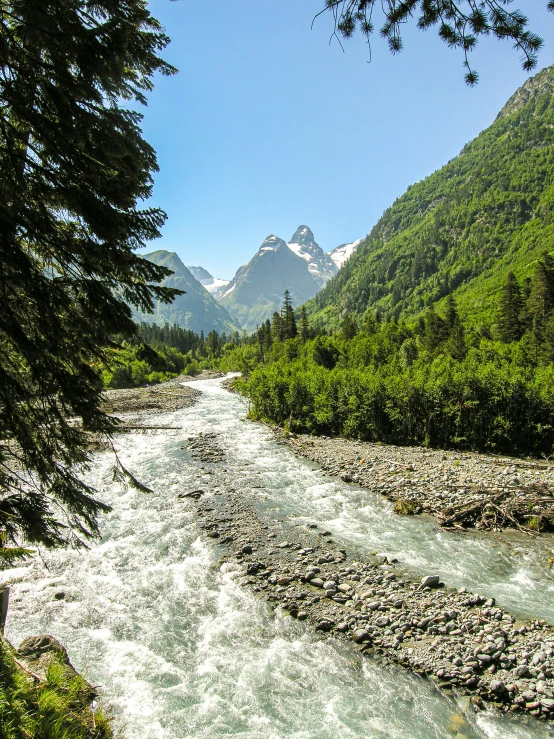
{"points": [[28, 671], [128, 427]]}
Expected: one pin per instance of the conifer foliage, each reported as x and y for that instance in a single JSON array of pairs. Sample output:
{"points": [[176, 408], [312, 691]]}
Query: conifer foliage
{"points": [[73, 166], [509, 309], [460, 24]]}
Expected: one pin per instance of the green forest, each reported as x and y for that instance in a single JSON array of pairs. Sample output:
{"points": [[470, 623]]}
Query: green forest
{"points": [[437, 380]]}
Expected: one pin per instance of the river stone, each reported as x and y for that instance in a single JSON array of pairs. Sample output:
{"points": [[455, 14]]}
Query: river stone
{"points": [[374, 606], [484, 658], [317, 582], [344, 588], [498, 687], [34, 647], [325, 625], [383, 621], [247, 549], [547, 703], [430, 581], [329, 585], [360, 635], [529, 696], [424, 622]]}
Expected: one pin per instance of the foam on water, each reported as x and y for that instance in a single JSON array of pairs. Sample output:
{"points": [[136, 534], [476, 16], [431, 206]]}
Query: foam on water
{"points": [[181, 650]]}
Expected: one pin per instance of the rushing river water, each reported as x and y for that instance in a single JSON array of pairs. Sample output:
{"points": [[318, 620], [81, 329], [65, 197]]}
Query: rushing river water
{"points": [[181, 650]]}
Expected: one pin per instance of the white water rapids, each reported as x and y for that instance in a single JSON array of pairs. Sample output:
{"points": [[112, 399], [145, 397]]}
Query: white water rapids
{"points": [[182, 651]]}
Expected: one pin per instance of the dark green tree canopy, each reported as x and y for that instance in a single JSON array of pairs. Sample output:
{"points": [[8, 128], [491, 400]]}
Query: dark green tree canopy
{"points": [[73, 170], [509, 310], [460, 24]]}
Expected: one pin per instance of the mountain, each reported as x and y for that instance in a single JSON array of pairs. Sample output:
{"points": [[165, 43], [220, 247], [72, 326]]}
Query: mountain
{"points": [[197, 310], [320, 264], [462, 229], [257, 289], [212, 284], [340, 254]]}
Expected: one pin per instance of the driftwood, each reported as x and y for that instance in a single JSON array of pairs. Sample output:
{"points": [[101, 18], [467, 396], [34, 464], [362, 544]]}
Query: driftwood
{"points": [[525, 465], [129, 427], [530, 511], [163, 392]]}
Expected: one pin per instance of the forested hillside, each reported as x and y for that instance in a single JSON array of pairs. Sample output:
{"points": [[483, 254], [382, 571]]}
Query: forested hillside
{"points": [[435, 381], [487, 212]]}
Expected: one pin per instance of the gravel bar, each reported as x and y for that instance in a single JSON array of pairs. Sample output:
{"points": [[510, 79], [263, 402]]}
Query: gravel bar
{"points": [[461, 640], [462, 490]]}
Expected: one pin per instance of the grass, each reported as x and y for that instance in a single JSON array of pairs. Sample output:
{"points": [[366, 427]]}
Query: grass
{"points": [[55, 708], [404, 507]]}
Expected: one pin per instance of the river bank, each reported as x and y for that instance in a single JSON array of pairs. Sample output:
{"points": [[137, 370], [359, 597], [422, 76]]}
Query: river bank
{"points": [[41, 694], [462, 640], [461, 490]]}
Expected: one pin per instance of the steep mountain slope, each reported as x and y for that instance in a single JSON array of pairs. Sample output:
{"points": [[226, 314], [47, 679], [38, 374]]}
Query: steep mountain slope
{"points": [[320, 264], [488, 211], [213, 285], [257, 289], [197, 310]]}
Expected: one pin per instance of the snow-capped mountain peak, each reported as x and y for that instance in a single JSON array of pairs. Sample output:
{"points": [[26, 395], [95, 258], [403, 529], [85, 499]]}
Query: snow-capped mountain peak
{"points": [[320, 265], [272, 243]]}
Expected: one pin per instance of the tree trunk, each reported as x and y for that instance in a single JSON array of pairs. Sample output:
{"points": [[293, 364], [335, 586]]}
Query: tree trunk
{"points": [[4, 599]]}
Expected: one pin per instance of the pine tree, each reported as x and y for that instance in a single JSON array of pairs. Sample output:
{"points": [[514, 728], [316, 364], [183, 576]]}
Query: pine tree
{"points": [[73, 168], [288, 321], [276, 328], [304, 326], [509, 310], [370, 323], [454, 330], [434, 330], [540, 302], [349, 327]]}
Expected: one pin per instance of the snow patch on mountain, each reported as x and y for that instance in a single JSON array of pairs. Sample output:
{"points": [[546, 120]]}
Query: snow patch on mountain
{"points": [[213, 285], [342, 253], [227, 292]]}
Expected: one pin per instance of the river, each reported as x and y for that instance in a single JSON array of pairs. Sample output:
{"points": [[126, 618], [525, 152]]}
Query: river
{"points": [[181, 650]]}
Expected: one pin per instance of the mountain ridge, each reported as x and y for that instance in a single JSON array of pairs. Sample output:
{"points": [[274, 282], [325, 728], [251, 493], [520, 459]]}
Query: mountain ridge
{"points": [[196, 310]]}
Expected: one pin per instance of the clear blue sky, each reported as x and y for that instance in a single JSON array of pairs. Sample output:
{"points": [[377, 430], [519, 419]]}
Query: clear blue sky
{"points": [[267, 126]]}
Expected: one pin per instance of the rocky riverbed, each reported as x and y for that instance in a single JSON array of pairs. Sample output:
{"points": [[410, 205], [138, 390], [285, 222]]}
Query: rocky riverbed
{"points": [[164, 397], [462, 640], [462, 490]]}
